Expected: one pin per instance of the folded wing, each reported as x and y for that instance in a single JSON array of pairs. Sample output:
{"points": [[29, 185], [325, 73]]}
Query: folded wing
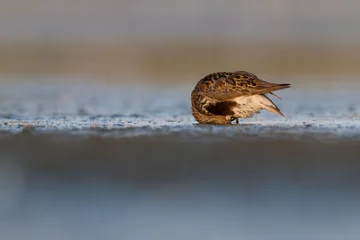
{"points": [[238, 84]]}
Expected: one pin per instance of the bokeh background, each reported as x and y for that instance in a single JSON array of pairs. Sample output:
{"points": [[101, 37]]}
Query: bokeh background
{"points": [[112, 39], [97, 138]]}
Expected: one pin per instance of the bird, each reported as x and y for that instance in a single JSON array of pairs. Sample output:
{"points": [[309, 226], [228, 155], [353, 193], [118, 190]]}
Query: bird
{"points": [[223, 97]]}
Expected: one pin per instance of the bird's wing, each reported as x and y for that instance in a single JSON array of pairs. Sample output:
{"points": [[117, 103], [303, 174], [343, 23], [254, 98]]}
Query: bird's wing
{"points": [[228, 85]]}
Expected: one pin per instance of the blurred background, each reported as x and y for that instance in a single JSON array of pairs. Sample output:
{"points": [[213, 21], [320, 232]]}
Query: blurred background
{"points": [[97, 138], [171, 40]]}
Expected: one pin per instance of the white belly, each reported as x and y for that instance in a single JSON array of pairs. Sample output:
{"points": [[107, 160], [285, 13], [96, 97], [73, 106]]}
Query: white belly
{"points": [[249, 105]]}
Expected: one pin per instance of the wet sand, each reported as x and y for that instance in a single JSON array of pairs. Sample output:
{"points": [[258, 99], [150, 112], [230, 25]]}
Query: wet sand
{"points": [[316, 105], [150, 187]]}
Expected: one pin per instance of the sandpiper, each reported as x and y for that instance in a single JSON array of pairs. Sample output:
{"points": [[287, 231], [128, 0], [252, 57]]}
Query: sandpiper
{"points": [[224, 97]]}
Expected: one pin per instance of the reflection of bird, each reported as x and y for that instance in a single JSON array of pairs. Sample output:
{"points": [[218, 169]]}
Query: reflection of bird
{"points": [[221, 98]]}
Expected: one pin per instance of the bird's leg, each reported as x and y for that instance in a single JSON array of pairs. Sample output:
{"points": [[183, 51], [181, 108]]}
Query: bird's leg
{"points": [[231, 119]]}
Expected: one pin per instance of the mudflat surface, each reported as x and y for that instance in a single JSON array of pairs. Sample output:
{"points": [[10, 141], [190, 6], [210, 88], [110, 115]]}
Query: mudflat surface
{"points": [[94, 161], [320, 110]]}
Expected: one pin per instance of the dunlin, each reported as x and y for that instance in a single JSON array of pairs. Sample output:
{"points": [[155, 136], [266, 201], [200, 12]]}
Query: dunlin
{"points": [[224, 97]]}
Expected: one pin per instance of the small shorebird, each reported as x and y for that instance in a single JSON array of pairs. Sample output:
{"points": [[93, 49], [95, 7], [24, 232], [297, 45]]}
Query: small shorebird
{"points": [[223, 97]]}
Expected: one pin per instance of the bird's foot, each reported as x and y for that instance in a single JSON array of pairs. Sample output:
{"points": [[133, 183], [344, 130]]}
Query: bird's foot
{"points": [[231, 119]]}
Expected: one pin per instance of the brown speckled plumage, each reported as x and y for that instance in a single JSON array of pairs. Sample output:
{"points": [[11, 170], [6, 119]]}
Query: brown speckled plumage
{"points": [[222, 97]]}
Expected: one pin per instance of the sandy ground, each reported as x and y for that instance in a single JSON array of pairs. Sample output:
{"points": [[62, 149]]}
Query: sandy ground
{"points": [[130, 162], [325, 108]]}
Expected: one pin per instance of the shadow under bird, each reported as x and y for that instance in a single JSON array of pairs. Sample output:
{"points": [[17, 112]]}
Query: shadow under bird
{"points": [[224, 97]]}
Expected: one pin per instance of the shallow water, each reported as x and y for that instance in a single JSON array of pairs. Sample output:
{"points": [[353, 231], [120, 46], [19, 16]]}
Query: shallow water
{"points": [[91, 161]]}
